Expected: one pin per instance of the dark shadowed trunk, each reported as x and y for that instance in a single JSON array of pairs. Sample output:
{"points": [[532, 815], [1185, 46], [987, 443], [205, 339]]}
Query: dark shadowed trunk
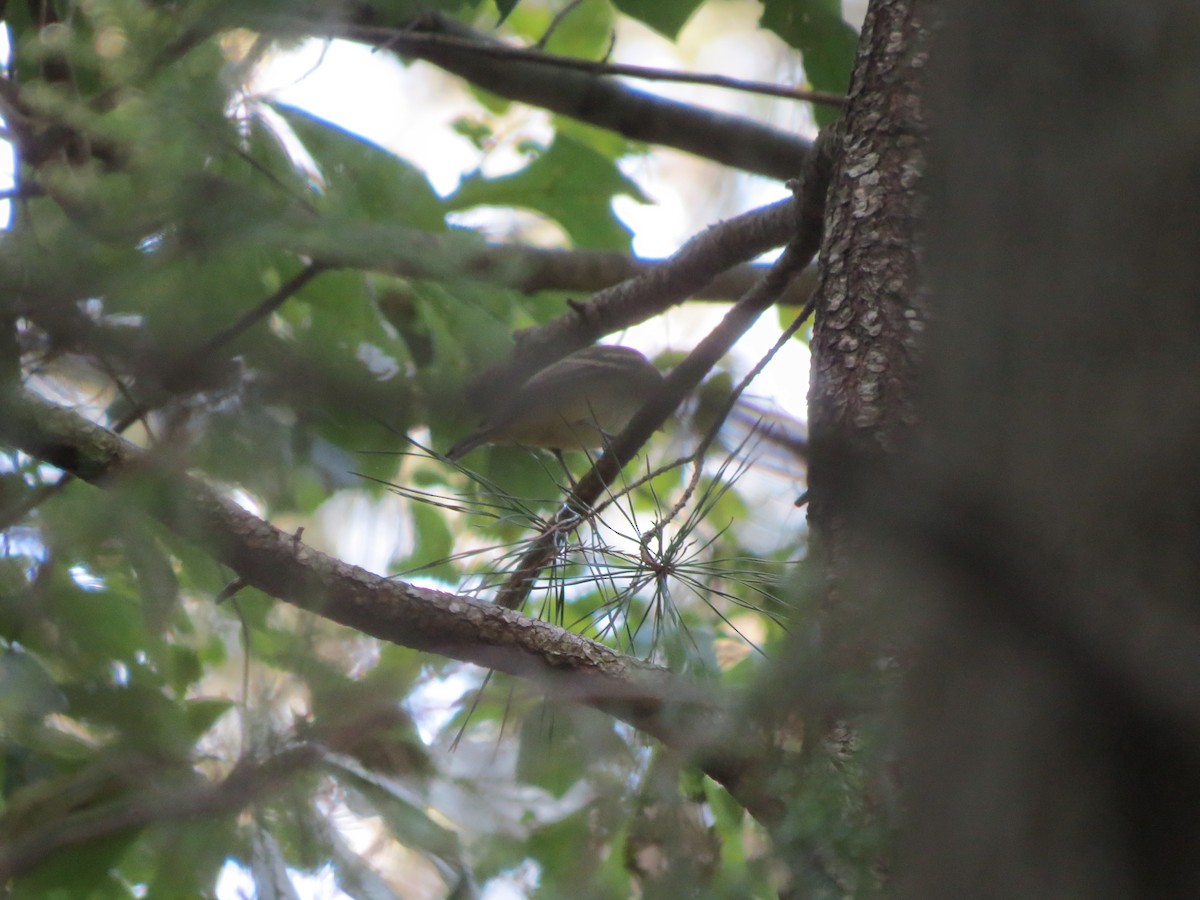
{"points": [[1051, 514]]}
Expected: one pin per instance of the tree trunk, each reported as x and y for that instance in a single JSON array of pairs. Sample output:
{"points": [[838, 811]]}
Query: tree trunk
{"points": [[1050, 517], [868, 318]]}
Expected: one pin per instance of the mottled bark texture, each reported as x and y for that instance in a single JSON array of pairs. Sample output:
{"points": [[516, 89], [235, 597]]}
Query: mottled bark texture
{"points": [[1052, 510], [868, 318], [867, 323]]}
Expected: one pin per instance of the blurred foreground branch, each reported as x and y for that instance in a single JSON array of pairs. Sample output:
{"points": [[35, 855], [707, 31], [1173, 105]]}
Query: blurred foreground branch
{"points": [[566, 666]]}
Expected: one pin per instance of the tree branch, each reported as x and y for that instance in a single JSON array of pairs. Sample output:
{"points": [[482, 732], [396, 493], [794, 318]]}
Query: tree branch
{"points": [[693, 266], [564, 665], [415, 39], [409, 253], [152, 803], [807, 226], [597, 100]]}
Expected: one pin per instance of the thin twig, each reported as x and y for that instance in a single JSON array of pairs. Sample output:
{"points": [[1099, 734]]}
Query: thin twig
{"points": [[15, 513], [390, 38], [258, 313], [555, 22], [700, 451], [154, 804], [194, 361], [697, 456], [598, 100]]}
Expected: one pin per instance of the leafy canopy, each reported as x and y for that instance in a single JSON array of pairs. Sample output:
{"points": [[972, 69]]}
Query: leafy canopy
{"points": [[282, 307]]}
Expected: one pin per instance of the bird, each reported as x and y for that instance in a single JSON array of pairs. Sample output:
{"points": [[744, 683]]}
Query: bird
{"points": [[577, 403]]}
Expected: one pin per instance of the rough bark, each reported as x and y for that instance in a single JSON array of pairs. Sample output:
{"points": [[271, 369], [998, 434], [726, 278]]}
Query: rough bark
{"points": [[868, 315]]}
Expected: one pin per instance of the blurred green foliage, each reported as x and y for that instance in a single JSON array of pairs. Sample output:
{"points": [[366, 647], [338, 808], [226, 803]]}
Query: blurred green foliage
{"points": [[159, 203]]}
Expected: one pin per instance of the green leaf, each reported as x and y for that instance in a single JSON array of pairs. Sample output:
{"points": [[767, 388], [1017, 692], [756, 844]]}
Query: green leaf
{"points": [[405, 815], [505, 8], [433, 542], [143, 716], [60, 877], [560, 743], [389, 12], [157, 583], [95, 626], [183, 667], [27, 691], [729, 814], [183, 859], [667, 17], [585, 32], [398, 667], [62, 803], [363, 179], [816, 28], [202, 714], [569, 182], [186, 299], [569, 851]]}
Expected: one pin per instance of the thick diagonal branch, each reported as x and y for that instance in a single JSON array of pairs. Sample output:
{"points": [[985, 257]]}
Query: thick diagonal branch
{"points": [[704, 257]]}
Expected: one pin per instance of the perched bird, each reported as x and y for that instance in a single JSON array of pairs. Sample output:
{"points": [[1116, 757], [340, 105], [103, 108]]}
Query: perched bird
{"points": [[577, 403]]}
